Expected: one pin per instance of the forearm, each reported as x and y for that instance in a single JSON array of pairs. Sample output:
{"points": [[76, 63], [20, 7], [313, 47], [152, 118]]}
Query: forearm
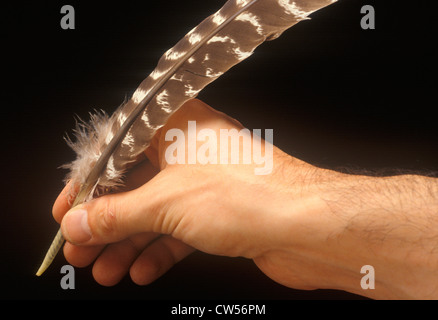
{"points": [[390, 223]]}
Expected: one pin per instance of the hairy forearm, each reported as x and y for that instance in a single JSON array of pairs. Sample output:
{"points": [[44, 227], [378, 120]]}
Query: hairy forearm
{"points": [[390, 223], [336, 223]]}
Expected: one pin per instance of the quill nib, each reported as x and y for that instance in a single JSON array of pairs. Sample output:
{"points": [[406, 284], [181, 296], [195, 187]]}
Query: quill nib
{"points": [[59, 240], [51, 253]]}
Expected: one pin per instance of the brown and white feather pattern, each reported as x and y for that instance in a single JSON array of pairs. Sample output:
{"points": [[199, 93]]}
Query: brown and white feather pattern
{"points": [[108, 146], [258, 21]]}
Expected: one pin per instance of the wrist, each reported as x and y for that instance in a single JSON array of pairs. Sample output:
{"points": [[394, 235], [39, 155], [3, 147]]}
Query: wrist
{"points": [[302, 229]]}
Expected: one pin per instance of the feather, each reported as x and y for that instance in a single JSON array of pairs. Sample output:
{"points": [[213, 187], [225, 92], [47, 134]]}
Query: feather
{"points": [[108, 146]]}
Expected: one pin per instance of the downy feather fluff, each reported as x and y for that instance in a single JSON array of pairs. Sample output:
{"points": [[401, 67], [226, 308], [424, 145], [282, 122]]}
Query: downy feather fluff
{"points": [[107, 147]]}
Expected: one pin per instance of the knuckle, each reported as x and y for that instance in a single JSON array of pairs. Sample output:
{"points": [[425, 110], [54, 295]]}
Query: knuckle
{"points": [[106, 218]]}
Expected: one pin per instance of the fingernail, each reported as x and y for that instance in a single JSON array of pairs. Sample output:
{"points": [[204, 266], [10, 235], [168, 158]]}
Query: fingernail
{"points": [[76, 228]]}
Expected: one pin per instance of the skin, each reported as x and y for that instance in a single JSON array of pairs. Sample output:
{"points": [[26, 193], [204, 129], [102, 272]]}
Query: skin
{"points": [[303, 226]]}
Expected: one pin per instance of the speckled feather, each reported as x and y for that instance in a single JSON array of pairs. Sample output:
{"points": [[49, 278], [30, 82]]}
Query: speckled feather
{"points": [[258, 21], [209, 50]]}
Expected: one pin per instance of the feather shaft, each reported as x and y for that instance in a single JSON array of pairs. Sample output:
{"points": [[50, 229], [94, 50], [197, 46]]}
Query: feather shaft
{"points": [[209, 50], [100, 165]]}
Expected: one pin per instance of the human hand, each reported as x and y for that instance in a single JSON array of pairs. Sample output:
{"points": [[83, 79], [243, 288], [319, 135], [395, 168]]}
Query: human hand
{"points": [[305, 227], [171, 209]]}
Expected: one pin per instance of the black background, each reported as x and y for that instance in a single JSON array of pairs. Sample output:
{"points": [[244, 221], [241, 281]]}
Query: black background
{"points": [[336, 96]]}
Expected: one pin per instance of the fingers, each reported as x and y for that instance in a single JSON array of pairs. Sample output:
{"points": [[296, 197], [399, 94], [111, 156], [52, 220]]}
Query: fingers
{"points": [[157, 259], [81, 256], [145, 256], [114, 262]]}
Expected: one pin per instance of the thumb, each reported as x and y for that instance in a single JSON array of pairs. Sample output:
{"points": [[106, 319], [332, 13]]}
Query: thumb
{"points": [[108, 219]]}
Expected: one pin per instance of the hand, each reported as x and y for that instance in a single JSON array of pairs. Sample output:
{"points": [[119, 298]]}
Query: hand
{"points": [[171, 209], [304, 226]]}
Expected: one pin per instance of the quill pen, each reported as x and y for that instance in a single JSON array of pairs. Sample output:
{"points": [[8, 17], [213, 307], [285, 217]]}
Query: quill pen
{"points": [[107, 147]]}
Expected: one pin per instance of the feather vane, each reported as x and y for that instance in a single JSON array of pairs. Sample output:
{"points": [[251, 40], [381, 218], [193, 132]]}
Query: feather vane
{"points": [[109, 146]]}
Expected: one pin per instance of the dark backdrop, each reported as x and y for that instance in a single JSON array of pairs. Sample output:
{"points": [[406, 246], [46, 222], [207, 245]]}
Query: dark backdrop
{"points": [[336, 96]]}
